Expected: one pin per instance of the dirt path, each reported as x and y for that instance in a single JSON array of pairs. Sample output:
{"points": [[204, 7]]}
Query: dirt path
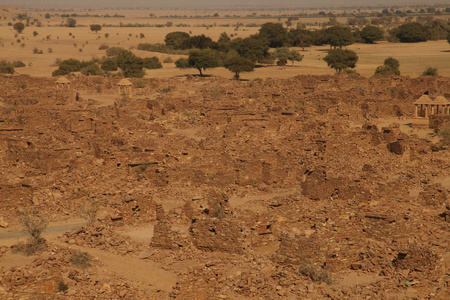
{"points": [[10, 236], [151, 274]]}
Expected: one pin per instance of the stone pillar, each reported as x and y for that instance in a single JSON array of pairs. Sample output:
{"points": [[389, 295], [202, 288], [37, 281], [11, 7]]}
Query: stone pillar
{"points": [[417, 110], [426, 110]]}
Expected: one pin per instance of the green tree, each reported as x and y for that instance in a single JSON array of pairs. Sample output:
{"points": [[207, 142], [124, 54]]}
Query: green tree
{"points": [[109, 64], [19, 27], [338, 36], [253, 48], [392, 62], [203, 59], [47, 16], [224, 42], [341, 59], [300, 38], [198, 42], [176, 39], [96, 27], [70, 22], [282, 53], [448, 38], [411, 33], [275, 33], [92, 69], [237, 65], [130, 64], [371, 34], [294, 56], [182, 63]]}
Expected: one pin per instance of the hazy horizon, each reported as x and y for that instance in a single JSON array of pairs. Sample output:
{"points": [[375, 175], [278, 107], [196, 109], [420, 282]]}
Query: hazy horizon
{"points": [[212, 3]]}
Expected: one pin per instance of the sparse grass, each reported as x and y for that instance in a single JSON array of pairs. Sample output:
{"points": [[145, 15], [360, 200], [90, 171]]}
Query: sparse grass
{"points": [[315, 273], [166, 89], [217, 211], [139, 84], [62, 287], [81, 259], [445, 136], [218, 93], [143, 166]]}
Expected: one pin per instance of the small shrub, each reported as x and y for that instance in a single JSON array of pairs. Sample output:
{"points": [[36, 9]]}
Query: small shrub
{"points": [[81, 259], [113, 51], [316, 275], [103, 47], [166, 89], [62, 287], [18, 64], [139, 84], [351, 73], [110, 65], [37, 51], [6, 67], [89, 212], [92, 69], [445, 136], [152, 63], [34, 225], [430, 72], [386, 70], [50, 50]]}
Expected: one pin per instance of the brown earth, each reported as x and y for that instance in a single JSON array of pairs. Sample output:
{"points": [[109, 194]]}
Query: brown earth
{"points": [[312, 187]]}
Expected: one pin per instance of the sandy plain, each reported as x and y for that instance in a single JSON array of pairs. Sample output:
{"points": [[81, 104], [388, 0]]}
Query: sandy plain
{"points": [[83, 44]]}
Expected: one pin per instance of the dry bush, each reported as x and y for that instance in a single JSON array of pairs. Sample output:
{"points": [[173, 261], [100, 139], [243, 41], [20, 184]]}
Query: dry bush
{"points": [[34, 225], [89, 212], [316, 274], [81, 259]]}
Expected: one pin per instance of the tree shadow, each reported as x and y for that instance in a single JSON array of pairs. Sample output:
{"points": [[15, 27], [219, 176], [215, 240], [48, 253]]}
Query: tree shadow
{"points": [[195, 75]]}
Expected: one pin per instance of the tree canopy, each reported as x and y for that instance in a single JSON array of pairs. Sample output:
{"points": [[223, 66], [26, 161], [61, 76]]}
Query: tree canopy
{"points": [[19, 27], [390, 67], [341, 59], [411, 33], [275, 33], [371, 34], [300, 38], [338, 36], [70, 22], [252, 48], [96, 27], [199, 59], [176, 39], [237, 64]]}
